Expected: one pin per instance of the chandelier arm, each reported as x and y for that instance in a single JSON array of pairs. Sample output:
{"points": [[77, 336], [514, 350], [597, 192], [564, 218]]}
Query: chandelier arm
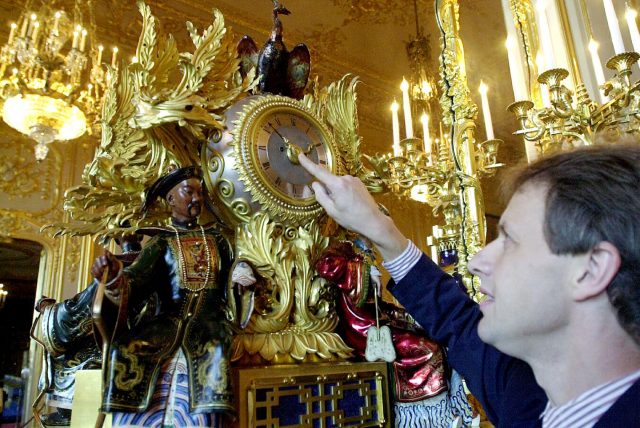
{"points": [[624, 100], [539, 127], [561, 102]]}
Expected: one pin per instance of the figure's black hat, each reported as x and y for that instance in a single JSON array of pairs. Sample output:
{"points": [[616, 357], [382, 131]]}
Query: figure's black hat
{"points": [[164, 184]]}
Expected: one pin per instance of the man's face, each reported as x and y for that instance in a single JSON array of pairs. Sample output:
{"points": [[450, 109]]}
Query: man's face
{"points": [[526, 285], [185, 200]]}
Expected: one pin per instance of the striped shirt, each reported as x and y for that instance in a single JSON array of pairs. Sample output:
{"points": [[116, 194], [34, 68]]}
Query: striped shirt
{"points": [[581, 412], [586, 409], [399, 267]]}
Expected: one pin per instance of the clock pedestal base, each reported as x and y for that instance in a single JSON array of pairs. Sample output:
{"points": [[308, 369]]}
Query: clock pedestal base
{"points": [[323, 394]]}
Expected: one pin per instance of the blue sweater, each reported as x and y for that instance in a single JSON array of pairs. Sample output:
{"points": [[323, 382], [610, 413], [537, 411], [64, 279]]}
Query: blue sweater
{"points": [[505, 386]]}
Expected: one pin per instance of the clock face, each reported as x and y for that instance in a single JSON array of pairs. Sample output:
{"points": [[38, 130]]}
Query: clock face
{"points": [[279, 137], [272, 131]]}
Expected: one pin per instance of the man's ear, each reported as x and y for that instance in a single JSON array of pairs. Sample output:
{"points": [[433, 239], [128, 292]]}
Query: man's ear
{"points": [[170, 198], [599, 268]]}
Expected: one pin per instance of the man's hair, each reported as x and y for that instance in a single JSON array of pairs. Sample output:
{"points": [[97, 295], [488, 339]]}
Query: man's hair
{"points": [[593, 196]]}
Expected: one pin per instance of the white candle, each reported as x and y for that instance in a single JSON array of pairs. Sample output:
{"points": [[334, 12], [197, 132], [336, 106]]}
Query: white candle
{"points": [[486, 112], [114, 57], [55, 22], [545, 37], [520, 91], [597, 68], [83, 39], [100, 49], [34, 35], [633, 28], [396, 128], [12, 33], [433, 248], [74, 45], [32, 22], [544, 90], [530, 150], [25, 26], [614, 27], [406, 108], [425, 133]]}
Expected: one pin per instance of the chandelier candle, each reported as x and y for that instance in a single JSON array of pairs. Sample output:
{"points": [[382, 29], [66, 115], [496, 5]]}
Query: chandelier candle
{"points": [[396, 128], [406, 108], [597, 68], [545, 37], [520, 91], [630, 15], [425, 132], [614, 26], [486, 112]]}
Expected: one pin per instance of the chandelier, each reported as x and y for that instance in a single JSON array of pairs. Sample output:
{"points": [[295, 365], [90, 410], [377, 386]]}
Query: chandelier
{"points": [[439, 162], [420, 163], [51, 79], [554, 112]]}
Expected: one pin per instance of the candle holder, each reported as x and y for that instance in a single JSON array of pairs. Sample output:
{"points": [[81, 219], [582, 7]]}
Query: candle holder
{"points": [[428, 177], [553, 78], [568, 120], [573, 121], [487, 156], [623, 62]]}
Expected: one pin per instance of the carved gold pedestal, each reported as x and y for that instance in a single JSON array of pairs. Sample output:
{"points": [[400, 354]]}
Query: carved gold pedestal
{"points": [[324, 395]]}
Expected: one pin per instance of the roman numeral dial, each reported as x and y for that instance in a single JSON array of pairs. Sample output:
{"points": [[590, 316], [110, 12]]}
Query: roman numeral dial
{"points": [[280, 137], [269, 133]]}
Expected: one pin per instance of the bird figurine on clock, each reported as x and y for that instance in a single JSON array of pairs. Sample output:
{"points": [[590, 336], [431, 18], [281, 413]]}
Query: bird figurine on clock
{"points": [[279, 71], [253, 164]]}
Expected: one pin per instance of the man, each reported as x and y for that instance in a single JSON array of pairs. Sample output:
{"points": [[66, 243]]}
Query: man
{"points": [[556, 343], [173, 370]]}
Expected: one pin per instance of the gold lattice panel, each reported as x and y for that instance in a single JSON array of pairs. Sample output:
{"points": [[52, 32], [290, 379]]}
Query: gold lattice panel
{"points": [[313, 395]]}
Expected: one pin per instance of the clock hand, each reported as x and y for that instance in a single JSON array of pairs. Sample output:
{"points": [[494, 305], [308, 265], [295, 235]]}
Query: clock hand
{"points": [[286, 141], [293, 150]]}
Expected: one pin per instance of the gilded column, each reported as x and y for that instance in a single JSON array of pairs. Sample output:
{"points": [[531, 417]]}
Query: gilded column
{"points": [[459, 114]]}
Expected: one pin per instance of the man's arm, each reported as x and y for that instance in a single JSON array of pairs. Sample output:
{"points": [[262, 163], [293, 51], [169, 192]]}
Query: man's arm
{"points": [[348, 202], [505, 386]]}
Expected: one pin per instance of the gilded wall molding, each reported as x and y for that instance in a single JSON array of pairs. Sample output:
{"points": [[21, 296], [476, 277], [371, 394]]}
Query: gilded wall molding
{"points": [[25, 182]]}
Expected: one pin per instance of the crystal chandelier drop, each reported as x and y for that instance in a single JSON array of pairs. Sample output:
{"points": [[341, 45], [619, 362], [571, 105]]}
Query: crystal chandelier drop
{"points": [[51, 80]]}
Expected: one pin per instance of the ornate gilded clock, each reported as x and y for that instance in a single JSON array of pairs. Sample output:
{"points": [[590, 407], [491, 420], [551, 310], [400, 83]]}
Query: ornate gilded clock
{"points": [[253, 165]]}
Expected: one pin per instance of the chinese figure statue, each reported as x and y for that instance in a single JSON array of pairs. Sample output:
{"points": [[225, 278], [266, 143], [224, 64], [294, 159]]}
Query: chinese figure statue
{"points": [[174, 369]]}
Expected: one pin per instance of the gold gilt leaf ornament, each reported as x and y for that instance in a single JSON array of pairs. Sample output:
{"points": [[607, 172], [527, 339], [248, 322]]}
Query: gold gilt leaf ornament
{"points": [[155, 113], [295, 314]]}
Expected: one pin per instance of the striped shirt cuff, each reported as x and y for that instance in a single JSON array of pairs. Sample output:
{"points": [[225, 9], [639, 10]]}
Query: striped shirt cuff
{"points": [[401, 265]]}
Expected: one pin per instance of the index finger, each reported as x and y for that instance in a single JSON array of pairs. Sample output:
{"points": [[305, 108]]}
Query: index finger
{"points": [[314, 169]]}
